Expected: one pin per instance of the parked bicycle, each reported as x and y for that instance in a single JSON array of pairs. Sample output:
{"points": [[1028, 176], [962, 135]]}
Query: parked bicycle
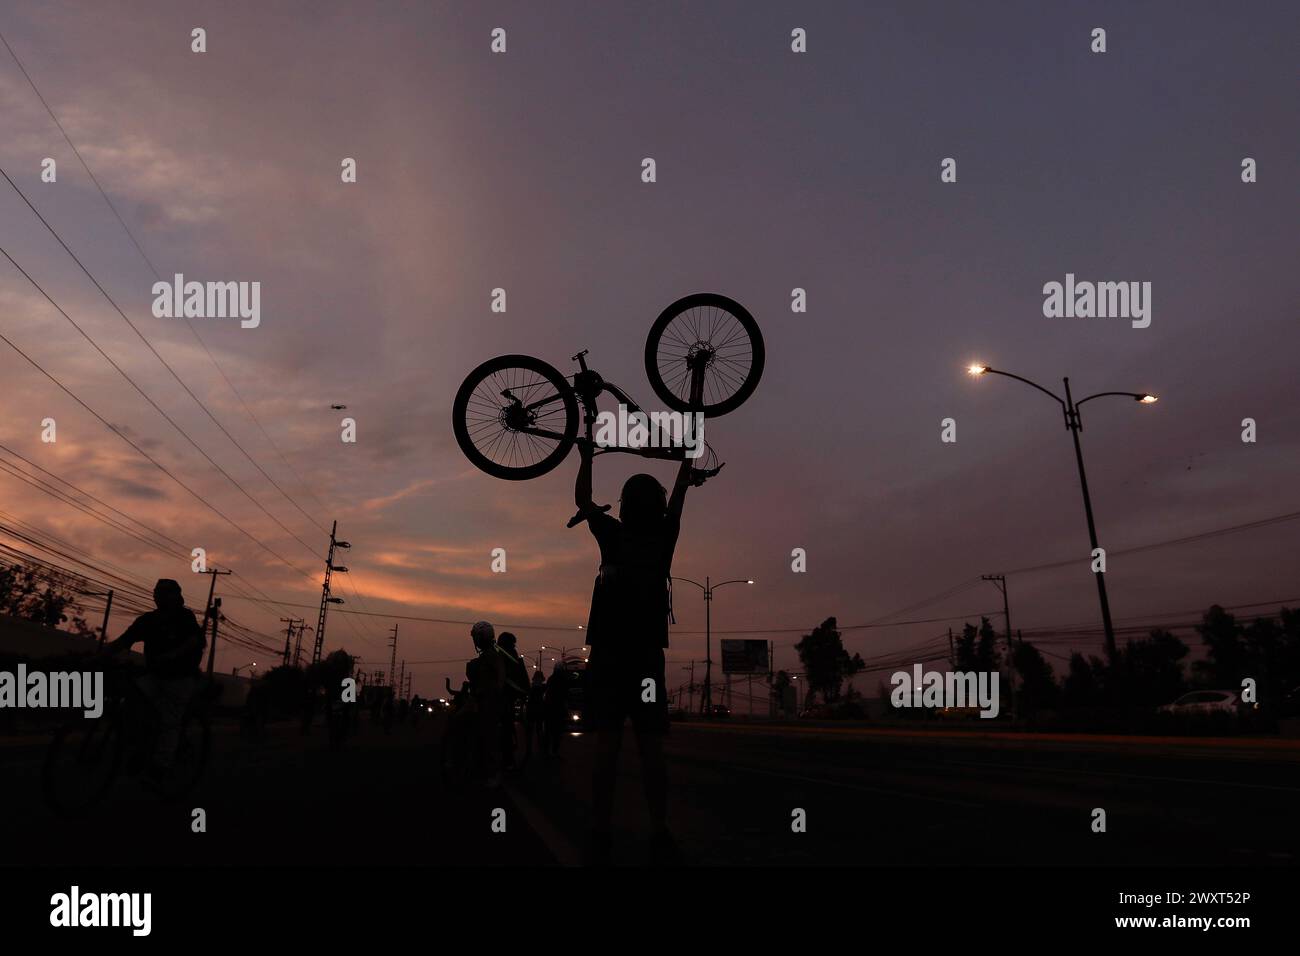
{"points": [[86, 755], [516, 417]]}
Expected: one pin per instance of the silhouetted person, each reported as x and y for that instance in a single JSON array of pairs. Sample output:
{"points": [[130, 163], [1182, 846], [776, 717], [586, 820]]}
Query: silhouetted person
{"points": [[515, 689], [173, 649], [627, 632], [533, 711], [487, 678], [556, 704]]}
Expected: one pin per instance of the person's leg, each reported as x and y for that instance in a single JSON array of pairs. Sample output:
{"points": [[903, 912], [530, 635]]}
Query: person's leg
{"points": [[654, 776], [608, 742], [172, 697]]}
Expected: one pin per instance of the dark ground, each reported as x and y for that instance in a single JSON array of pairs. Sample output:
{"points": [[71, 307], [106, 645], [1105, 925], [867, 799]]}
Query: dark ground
{"points": [[872, 796]]}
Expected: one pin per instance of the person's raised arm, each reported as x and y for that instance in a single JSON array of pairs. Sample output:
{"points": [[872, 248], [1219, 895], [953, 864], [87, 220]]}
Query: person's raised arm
{"points": [[582, 488], [678, 498]]}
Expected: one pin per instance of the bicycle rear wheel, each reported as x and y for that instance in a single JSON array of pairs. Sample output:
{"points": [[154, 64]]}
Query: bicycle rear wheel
{"points": [[712, 329], [515, 417]]}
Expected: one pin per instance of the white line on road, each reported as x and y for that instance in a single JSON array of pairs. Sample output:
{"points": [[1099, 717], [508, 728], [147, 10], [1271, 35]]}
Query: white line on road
{"points": [[565, 853]]}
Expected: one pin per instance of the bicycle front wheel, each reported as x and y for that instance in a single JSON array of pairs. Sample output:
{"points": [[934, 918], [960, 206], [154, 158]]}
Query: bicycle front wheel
{"points": [[712, 330], [515, 417], [82, 762]]}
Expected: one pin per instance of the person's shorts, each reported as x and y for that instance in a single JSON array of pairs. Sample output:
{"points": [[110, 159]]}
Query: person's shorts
{"points": [[625, 684]]}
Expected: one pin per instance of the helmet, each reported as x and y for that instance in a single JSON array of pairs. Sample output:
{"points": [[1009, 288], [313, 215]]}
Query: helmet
{"points": [[483, 634]]}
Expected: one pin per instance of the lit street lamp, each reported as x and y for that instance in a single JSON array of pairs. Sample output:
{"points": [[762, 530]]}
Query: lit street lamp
{"points": [[706, 699], [1074, 423]]}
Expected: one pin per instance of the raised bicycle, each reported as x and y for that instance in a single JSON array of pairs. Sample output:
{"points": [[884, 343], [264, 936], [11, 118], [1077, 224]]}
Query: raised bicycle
{"points": [[516, 417]]}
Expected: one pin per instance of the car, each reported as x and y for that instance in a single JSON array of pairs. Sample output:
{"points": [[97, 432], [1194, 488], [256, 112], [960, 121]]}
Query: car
{"points": [[718, 711], [816, 712], [1205, 702]]}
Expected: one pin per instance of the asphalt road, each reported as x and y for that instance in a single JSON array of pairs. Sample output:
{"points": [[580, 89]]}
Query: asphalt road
{"points": [[870, 796]]}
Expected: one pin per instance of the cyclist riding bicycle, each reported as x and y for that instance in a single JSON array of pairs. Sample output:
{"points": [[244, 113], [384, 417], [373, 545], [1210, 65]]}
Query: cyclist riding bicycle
{"points": [[173, 649]]}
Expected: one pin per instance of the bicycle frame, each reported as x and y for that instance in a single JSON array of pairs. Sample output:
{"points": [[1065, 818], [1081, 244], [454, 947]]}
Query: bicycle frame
{"points": [[589, 386]]}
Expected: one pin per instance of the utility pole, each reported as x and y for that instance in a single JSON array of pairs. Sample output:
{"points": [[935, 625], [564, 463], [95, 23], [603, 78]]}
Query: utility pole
{"points": [[297, 648], [952, 655], [401, 679], [1000, 582], [216, 618], [771, 679], [103, 631], [325, 599], [392, 667], [690, 688], [293, 622], [207, 614]]}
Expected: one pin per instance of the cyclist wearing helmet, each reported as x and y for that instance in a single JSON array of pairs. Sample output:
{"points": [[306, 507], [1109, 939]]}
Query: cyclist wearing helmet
{"points": [[627, 632], [173, 648]]}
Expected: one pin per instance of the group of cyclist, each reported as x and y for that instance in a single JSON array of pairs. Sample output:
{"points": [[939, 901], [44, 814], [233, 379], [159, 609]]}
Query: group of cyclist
{"points": [[498, 689]]}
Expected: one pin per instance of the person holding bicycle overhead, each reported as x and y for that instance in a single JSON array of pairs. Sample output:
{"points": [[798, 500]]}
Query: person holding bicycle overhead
{"points": [[173, 649], [627, 633]]}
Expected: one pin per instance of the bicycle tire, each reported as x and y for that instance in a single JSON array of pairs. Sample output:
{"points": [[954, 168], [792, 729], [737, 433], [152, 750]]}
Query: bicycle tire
{"points": [[735, 396], [461, 426]]}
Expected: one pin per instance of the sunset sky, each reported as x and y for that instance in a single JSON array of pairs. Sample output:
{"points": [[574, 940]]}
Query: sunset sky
{"points": [[776, 170]]}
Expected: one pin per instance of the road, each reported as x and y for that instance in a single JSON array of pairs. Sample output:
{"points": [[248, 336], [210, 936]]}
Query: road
{"points": [[870, 796]]}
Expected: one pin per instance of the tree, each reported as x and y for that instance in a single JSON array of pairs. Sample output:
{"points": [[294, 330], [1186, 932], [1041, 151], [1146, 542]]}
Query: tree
{"points": [[1227, 660], [47, 597], [1151, 670], [1085, 684], [1038, 690], [977, 648], [825, 660], [781, 684]]}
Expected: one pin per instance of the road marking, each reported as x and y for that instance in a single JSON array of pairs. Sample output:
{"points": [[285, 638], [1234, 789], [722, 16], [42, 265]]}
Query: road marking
{"points": [[565, 853]]}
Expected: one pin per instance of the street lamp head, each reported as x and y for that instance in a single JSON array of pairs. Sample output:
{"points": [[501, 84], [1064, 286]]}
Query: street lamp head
{"points": [[1147, 399], [977, 370]]}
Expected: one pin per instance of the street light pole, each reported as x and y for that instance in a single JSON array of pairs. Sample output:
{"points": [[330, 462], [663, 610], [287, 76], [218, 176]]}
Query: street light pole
{"points": [[706, 697], [1074, 423]]}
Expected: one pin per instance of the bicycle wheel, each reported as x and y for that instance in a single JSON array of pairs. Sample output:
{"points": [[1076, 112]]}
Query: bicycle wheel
{"points": [[82, 762], [192, 752], [515, 417], [712, 329]]}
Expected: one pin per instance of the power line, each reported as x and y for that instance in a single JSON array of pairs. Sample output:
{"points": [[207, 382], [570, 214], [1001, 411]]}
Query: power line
{"points": [[153, 461], [140, 249], [143, 394]]}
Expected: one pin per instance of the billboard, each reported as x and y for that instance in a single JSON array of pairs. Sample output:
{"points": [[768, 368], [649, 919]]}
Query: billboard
{"points": [[744, 657]]}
